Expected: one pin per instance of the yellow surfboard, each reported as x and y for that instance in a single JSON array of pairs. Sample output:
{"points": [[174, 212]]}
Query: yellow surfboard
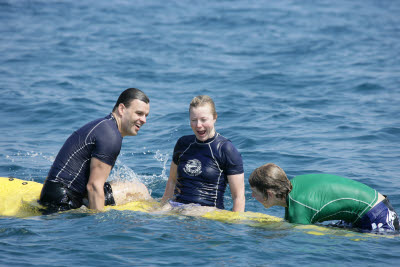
{"points": [[18, 198]]}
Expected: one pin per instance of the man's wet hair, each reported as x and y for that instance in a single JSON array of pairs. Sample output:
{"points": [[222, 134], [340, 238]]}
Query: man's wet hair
{"points": [[130, 94]]}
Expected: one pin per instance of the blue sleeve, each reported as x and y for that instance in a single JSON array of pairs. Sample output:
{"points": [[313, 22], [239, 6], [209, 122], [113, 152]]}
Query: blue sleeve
{"points": [[177, 151], [107, 144], [232, 159]]}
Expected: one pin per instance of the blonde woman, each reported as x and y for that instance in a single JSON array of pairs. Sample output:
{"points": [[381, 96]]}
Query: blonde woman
{"points": [[204, 163]]}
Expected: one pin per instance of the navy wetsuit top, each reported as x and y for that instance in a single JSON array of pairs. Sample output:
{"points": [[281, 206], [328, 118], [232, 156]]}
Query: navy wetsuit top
{"points": [[203, 168], [100, 139]]}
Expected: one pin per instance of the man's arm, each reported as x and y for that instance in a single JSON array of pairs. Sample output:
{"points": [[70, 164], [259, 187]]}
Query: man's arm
{"points": [[99, 173], [236, 184], [170, 188]]}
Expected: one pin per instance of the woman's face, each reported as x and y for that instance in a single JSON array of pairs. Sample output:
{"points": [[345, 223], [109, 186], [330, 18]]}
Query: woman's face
{"points": [[202, 122]]}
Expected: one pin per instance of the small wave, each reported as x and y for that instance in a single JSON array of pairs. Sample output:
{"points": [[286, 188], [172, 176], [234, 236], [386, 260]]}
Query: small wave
{"points": [[268, 78], [391, 130], [12, 231], [368, 88], [336, 30]]}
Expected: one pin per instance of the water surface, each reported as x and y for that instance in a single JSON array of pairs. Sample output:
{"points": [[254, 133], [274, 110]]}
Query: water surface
{"points": [[311, 86]]}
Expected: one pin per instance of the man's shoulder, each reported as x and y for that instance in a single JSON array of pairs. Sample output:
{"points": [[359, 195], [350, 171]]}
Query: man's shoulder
{"points": [[104, 129], [106, 122], [93, 123]]}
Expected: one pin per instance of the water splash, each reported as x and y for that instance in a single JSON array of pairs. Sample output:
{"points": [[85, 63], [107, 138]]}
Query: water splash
{"points": [[121, 172], [163, 158]]}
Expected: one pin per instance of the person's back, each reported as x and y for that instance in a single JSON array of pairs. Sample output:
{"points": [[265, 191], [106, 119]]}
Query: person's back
{"points": [[315, 198], [84, 163], [99, 138], [323, 197]]}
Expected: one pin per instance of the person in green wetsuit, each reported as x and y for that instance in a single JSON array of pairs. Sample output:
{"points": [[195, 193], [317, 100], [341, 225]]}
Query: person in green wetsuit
{"points": [[314, 198]]}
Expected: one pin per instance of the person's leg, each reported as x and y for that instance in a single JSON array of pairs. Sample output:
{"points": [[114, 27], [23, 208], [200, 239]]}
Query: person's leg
{"points": [[392, 219], [191, 209], [125, 192], [108, 195], [56, 197]]}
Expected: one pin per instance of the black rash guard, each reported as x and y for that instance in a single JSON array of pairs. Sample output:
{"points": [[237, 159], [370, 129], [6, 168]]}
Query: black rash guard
{"points": [[100, 139], [203, 168]]}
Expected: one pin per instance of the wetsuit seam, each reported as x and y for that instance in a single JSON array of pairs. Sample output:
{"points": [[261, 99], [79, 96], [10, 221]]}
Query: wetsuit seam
{"points": [[66, 164], [215, 137], [73, 154], [96, 127], [298, 202], [332, 201], [219, 176], [80, 169], [186, 149], [343, 211], [368, 206]]}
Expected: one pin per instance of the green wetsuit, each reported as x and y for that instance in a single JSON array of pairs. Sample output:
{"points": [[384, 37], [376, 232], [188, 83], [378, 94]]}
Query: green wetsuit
{"points": [[324, 197]]}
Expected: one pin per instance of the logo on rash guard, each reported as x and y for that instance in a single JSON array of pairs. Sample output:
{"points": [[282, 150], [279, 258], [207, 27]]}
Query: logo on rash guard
{"points": [[193, 167]]}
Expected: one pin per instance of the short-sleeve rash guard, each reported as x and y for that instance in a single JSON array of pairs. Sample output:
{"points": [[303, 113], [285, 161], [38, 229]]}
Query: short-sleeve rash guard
{"points": [[203, 168], [100, 139], [324, 197]]}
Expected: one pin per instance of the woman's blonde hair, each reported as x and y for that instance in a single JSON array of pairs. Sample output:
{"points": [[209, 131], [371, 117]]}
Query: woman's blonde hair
{"points": [[202, 100]]}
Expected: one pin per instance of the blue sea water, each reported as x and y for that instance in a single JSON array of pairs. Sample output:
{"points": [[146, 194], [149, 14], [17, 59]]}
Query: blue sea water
{"points": [[312, 86]]}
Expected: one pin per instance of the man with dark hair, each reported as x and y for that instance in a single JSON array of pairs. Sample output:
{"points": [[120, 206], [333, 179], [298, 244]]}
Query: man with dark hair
{"points": [[84, 163], [313, 198]]}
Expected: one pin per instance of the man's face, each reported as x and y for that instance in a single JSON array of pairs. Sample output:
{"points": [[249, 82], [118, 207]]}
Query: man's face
{"points": [[133, 117]]}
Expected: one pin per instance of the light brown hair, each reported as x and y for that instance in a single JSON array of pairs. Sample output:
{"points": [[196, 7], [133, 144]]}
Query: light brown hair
{"points": [[202, 100], [270, 177]]}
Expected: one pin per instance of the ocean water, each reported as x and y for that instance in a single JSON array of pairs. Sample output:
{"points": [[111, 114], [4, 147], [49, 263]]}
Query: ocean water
{"points": [[312, 86]]}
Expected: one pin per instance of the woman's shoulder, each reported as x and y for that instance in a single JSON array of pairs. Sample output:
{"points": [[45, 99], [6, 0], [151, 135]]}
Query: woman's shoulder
{"points": [[186, 139], [223, 141], [225, 145]]}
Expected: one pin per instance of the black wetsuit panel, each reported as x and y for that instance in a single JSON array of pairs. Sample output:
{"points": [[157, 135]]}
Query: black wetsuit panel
{"points": [[203, 168], [71, 168]]}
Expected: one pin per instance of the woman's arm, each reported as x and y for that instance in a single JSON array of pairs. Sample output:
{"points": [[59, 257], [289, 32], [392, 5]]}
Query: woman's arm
{"points": [[236, 184], [170, 188]]}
